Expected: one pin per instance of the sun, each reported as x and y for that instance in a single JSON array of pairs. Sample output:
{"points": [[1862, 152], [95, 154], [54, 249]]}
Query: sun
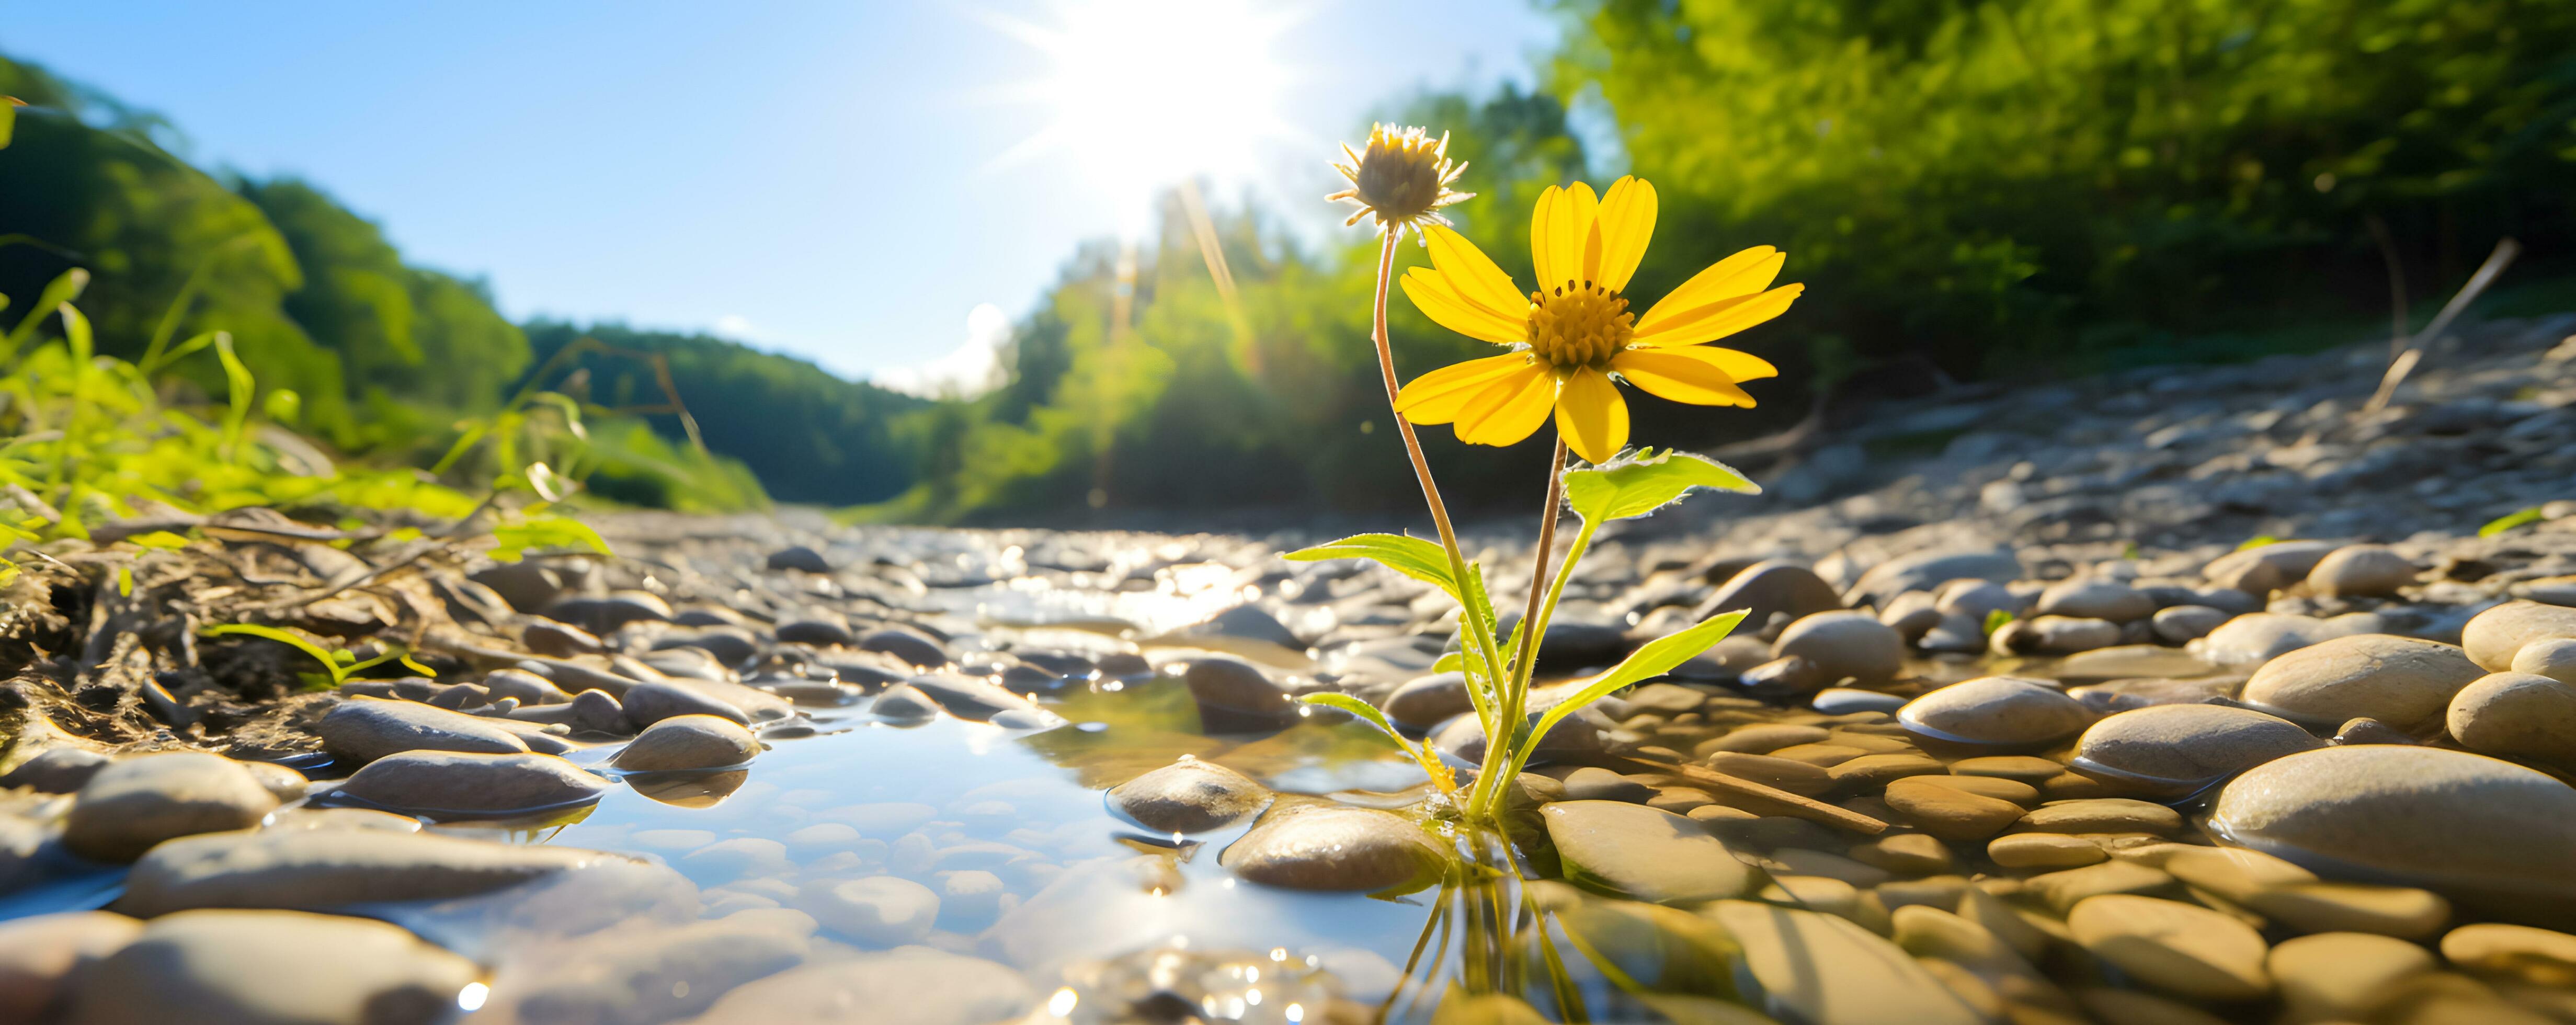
{"points": [[1145, 93]]}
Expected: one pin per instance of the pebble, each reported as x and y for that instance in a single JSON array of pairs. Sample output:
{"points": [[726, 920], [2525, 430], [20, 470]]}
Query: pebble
{"points": [[1793, 776], [688, 742], [1905, 853], [2366, 730], [1844, 644], [1189, 796], [1782, 678], [645, 974], [136, 802], [2554, 658], [799, 558], [1588, 783], [2401, 681], [2094, 598], [911, 986], [259, 966], [446, 782], [1847, 700], [2044, 850], [877, 911], [1824, 970], [653, 701], [1948, 812], [1338, 848], [1427, 701], [2493, 637], [1235, 697], [1872, 771], [1763, 739], [1996, 711], [39, 955], [1769, 587], [1643, 853], [361, 730], [2361, 571], [1928, 570], [2184, 949], [56, 770], [2021, 768], [2541, 957], [2516, 715], [2181, 624], [2054, 635], [909, 645], [2067, 888], [2103, 815], [525, 687], [2182, 748], [2346, 976], [320, 869], [2459, 823], [2266, 568], [2262, 636]]}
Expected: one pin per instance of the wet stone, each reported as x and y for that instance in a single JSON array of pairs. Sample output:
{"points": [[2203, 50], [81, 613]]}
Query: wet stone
{"points": [[2266, 568], [2181, 948], [58, 770], [1950, 813], [39, 955], [525, 687], [1336, 848], [1852, 645], [2179, 624], [1997, 711], [2262, 636], [1846, 700], [1642, 852], [440, 782], [1793, 776], [2366, 730], [1588, 783], [909, 645], [2397, 680], [2368, 571], [2054, 635], [2044, 851], [1822, 969], [321, 869], [2063, 890], [1769, 587], [651, 702], [2102, 815], [1871, 771], [877, 911], [911, 986], [2540, 957], [1427, 701], [2516, 715], [361, 730], [1235, 697], [2108, 600], [1190, 796], [2182, 748], [1763, 739], [1905, 853], [2494, 637], [135, 803], [256, 966], [688, 742], [2343, 975]]}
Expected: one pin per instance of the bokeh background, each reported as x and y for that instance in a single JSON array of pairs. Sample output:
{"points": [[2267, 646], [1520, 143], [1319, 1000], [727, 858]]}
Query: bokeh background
{"points": [[2007, 190]]}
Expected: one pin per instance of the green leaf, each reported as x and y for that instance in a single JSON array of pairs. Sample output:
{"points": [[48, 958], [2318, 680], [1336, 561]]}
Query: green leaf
{"points": [[1431, 766], [1656, 658], [2258, 541], [8, 119], [1450, 662], [160, 539], [1996, 619], [61, 290], [1411, 556], [281, 637], [2509, 521], [125, 581], [514, 539], [1642, 483], [242, 387]]}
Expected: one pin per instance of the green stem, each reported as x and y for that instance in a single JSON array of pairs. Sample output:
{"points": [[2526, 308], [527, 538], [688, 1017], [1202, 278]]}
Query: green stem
{"points": [[1500, 745]]}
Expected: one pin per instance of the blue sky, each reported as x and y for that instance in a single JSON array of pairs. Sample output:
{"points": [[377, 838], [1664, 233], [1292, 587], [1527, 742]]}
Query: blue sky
{"points": [[830, 179]]}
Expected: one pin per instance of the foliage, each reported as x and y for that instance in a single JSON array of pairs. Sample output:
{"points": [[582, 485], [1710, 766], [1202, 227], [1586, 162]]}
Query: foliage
{"points": [[338, 664], [2508, 521]]}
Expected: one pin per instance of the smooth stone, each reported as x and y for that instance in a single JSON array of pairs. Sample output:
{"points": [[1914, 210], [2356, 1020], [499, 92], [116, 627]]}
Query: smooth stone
{"points": [[2138, 1007], [2064, 889], [2094, 598], [644, 975], [1782, 678], [2262, 636], [1878, 770], [1643, 853], [878, 911], [1948, 812], [1844, 644], [653, 701], [2180, 624], [2462, 824], [1235, 697], [2186, 747], [903, 703], [1769, 587], [1189, 796], [2124, 695], [911, 986], [1928, 570], [605, 614], [2493, 637], [2019, 768], [1793, 776], [1906, 853], [315, 870], [1588, 783], [2554, 658], [2184, 949], [1976, 600], [2541, 957], [799, 558], [1336, 848], [361, 730], [2044, 850], [1999, 789], [238, 966], [980, 700], [56, 770], [2103, 815], [559, 640], [688, 742], [526, 687], [40, 955], [2400, 681], [1846, 700], [137, 802], [2054, 635], [1428, 701], [821, 633], [1763, 738], [2332, 976], [1995, 710], [909, 645], [2266, 568], [447, 782], [2361, 571], [1821, 969], [2516, 715], [2366, 730]]}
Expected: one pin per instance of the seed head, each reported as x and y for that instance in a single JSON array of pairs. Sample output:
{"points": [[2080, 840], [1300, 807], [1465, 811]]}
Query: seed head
{"points": [[1402, 178]]}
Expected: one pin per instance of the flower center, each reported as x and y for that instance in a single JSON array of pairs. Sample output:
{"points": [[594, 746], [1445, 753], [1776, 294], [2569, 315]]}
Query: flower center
{"points": [[1574, 326]]}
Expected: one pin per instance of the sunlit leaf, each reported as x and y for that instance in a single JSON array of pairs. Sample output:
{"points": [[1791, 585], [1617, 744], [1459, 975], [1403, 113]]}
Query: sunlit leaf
{"points": [[1654, 659], [1412, 556], [125, 581], [1646, 481], [332, 665], [513, 540], [2509, 521], [1431, 766], [2258, 541], [242, 387], [1996, 619]]}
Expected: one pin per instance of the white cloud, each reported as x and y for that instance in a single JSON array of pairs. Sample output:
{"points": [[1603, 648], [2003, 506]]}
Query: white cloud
{"points": [[971, 369], [737, 327]]}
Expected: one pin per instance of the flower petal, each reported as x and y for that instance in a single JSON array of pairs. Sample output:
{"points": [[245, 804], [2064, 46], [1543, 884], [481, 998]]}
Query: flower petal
{"points": [[1742, 274], [1559, 227], [1719, 319], [1592, 416], [1431, 293], [1627, 222], [1697, 374], [1439, 396], [1510, 409], [1473, 275]]}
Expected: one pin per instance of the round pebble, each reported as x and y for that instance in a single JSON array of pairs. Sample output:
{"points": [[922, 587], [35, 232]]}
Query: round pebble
{"points": [[1995, 710], [2516, 715], [2186, 747], [2184, 949]]}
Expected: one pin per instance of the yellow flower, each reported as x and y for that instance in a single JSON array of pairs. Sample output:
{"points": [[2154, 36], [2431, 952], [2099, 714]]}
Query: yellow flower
{"points": [[1402, 177], [1573, 335]]}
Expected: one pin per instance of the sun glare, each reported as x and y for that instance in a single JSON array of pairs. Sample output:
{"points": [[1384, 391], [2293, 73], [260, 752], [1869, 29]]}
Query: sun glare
{"points": [[1146, 92]]}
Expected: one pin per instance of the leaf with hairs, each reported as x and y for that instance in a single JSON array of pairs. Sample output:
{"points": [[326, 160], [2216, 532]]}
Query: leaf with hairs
{"points": [[1642, 483], [1411, 556], [1422, 756], [1654, 659]]}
